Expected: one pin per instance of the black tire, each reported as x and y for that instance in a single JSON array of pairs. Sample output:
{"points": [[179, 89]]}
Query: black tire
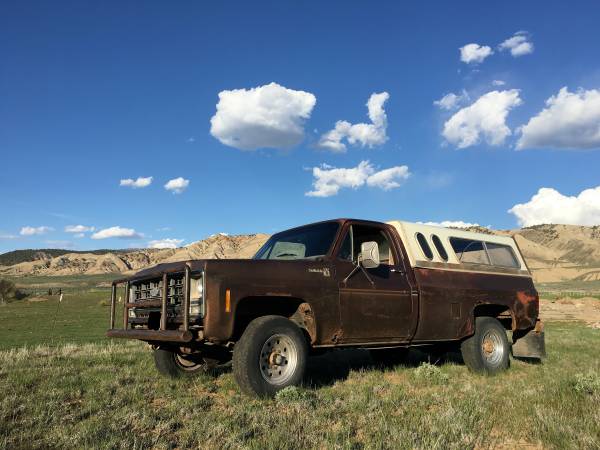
{"points": [[271, 355], [488, 350], [389, 357], [173, 364]]}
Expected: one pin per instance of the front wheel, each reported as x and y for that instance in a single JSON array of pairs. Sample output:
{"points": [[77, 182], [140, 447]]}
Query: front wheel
{"points": [[487, 351], [270, 355], [175, 364]]}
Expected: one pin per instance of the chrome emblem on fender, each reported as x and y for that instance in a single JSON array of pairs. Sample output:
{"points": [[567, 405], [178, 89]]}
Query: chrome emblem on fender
{"points": [[324, 271]]}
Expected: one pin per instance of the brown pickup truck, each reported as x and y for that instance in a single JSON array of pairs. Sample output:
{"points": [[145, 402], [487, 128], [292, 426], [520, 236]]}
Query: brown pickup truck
{"points": [[340, 283]]}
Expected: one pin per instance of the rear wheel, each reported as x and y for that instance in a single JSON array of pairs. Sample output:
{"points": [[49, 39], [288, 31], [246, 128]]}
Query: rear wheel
{"points": [[270, 355], [173, 363], [487, 351]]}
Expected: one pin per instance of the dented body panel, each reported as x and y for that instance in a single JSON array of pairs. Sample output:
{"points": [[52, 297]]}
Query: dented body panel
{"points": [[402, 302]]}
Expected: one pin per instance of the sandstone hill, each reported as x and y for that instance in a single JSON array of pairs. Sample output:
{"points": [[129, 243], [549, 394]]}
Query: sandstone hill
{"points": [[217, 246], [553, 253], [560, 252]]}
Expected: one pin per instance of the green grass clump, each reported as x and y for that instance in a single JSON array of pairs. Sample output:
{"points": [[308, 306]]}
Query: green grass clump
{"points": [[587, 383], [294, 394], [430, 374]]}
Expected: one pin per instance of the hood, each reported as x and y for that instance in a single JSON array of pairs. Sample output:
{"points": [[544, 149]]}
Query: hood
{"points": [[240, 267]]}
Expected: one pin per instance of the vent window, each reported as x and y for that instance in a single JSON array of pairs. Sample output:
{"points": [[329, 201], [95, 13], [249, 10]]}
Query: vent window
{"points": [[424, 246], [469, 251], [439, 247]]}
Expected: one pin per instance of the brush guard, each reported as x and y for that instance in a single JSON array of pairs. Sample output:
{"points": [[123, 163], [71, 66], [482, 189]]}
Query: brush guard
{"points": [[181, 335]]}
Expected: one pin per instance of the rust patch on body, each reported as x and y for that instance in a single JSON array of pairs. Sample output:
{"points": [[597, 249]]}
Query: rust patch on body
{"points": [[525, 308], [305, 319]]}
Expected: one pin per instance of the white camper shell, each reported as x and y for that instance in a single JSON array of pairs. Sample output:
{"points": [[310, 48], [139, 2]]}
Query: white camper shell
{"points": [[434, 247]]}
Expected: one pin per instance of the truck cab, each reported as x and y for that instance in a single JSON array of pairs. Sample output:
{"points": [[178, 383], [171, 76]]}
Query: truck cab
{"points": [[338, 283]]}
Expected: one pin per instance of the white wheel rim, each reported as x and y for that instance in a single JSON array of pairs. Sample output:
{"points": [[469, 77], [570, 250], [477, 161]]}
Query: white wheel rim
{"points": [[492, 347], [278, 359], [186, 364]]}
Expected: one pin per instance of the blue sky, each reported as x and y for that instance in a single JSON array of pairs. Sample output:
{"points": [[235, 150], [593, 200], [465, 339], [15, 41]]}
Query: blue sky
{"points": [[92, 93]]}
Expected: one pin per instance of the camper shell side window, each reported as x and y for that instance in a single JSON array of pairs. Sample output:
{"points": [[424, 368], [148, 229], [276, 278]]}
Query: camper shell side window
{"points": [[480, 252]]}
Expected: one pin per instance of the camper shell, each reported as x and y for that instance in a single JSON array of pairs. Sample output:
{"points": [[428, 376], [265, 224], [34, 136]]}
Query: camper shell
{"points": [[342, 283]]}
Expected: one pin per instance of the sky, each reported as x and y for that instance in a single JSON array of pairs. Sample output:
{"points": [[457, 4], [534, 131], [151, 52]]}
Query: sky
{"points": [[127, 124]]}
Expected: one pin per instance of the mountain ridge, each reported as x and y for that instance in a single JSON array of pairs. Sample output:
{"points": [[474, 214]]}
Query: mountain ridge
{"points": [[552, 253]]}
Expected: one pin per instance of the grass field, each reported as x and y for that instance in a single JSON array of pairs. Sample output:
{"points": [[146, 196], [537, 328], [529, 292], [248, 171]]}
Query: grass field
{"points": [[69, 387], [82, 316]]}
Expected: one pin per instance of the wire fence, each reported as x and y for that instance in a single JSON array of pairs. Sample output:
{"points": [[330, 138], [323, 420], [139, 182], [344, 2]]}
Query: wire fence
{"points": [[555, 295]]}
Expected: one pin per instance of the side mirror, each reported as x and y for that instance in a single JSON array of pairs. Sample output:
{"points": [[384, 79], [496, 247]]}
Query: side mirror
{"points": [[369, 255]]}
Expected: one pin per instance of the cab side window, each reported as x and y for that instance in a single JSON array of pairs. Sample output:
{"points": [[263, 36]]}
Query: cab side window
{"points": [[362, 233]]}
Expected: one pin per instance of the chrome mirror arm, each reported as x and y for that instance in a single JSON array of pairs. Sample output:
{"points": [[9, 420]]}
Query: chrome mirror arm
{"points": [[356, 268]]}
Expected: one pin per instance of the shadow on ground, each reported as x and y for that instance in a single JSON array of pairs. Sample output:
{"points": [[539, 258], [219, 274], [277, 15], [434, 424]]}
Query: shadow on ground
{"points": [[326, 369]]}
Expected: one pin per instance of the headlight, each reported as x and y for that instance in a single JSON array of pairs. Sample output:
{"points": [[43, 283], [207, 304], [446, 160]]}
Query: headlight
{"points": [[197, 288], [197, 296]]}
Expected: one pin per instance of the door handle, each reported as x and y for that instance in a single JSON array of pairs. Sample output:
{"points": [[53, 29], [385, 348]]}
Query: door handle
{"points": [[399, 271]]}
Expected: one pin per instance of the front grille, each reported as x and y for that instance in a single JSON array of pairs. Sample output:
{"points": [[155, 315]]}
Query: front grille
{"points": [[153, 289]]}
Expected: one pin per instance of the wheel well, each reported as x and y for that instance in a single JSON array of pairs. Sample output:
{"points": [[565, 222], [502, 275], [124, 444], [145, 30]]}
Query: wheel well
{"points": [[251, 308], [500, 312]]}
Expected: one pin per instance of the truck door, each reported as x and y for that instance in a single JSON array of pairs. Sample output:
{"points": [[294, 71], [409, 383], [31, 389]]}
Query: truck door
{"points": [[377, 310]]}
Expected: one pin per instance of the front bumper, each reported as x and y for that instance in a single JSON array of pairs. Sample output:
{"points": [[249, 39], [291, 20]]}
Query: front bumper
{"points": [[169, 329], [530, 343], [152, 335]]}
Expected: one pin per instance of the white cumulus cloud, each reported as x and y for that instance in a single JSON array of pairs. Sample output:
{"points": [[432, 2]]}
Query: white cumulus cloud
{"points": [[363, 134], [571, 120], [117, 232], [452, 101], [519, 44], [177, 185], [329, 180], [550, 206], [269, 116], [474, 53], [451, 224], [484, 119], [30, 231], [78, 229], [140, 182], [165, 243]]}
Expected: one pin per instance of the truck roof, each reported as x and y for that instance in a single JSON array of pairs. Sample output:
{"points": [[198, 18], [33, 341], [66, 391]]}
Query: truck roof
{"points": [[431, 246]]}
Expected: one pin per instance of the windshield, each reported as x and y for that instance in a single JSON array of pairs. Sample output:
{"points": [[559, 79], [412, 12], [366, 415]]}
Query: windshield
{"points": [[306, 242]]}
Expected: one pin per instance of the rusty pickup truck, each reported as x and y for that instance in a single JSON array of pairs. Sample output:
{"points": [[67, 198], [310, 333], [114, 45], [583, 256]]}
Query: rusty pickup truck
{"points": [[341, 283]]}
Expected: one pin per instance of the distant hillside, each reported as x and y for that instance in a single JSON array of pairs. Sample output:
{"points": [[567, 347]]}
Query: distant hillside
{"points": [[19, 256], [64, 262], [552, 252], [561, 252]]}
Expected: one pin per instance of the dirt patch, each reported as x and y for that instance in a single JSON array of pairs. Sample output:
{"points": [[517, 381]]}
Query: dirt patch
{"points": [[585, 309], [37, 299]]}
